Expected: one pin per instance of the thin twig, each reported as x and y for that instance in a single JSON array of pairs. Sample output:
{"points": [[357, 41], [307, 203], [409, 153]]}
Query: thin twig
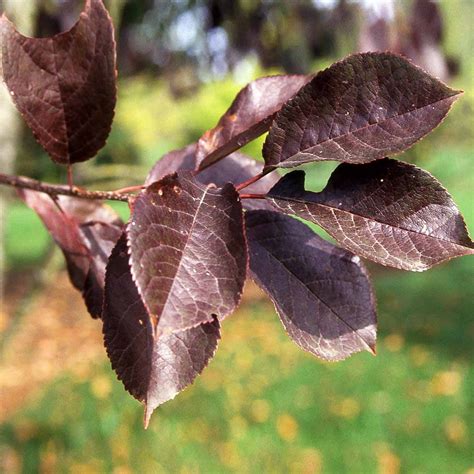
{"points": [[23, 182], [252, 180]]}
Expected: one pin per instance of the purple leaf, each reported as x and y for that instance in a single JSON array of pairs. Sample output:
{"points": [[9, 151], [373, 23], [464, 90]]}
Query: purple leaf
{"points": [[358, 110], [99, 228], [183, 159], [65, 231], [86, 232], [235, 168], [321, 292], [64, 86], [388, 211], [153, 367], [100, 238], [188, 252], [249, 116], [238, 168]]}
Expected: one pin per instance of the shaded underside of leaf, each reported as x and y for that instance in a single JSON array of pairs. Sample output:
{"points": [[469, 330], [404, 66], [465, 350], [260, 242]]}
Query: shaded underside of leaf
{"points": [[86, 232], [153, 368], [183, 159], [235, 168], [127, 329], [238, 168], [388, 211], [100, 238], [64, 86], [322, 293], [65, 231], [358, 110], [188, 251], [249, 116]]}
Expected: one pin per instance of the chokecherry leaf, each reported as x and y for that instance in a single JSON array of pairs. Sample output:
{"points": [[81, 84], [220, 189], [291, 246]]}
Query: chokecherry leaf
{"points": [[388, 211], [358, 110], [249, 116], [153, 367], [235, 168], [100, 238], [188, 252], [238, 168], [86, 232], [64, 86], [322, 293], [65, 231], [183, 159]]}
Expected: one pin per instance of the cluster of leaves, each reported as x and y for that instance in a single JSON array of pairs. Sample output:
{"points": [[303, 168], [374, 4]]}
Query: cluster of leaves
{"points": [[163, 282]]}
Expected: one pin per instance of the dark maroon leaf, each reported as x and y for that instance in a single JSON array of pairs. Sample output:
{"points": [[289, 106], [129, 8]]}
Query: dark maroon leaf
{"points": [[86, 232], [64, 230], [183, 159], [249, 116], [358, 110], [188, 252], [152, 367], [100, 238], [178, 359], [321, 292], [64, 86], [86, 211], [388, 211], [99, 228], [238, 168], [235, 168]]}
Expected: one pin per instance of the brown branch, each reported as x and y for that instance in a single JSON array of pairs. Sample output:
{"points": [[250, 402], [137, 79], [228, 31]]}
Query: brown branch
{"points": [[23, 182]]}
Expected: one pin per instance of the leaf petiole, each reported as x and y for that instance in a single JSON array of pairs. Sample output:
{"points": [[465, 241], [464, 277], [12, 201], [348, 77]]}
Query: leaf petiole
{"points": [[253, 179], [252, 196]]}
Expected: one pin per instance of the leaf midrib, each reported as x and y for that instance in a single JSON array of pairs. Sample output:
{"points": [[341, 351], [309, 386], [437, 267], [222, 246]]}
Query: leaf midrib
{"points": [[290, 159], [178, 267], [344, 211]]}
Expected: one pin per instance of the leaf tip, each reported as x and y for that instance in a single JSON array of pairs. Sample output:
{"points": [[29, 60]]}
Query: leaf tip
{"points": [[147, 415]]}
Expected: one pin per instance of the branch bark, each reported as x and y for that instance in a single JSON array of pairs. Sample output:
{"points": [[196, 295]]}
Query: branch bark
{"points": [[61, 190]]}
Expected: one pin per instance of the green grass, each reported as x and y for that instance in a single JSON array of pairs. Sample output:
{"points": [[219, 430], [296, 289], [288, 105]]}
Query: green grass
{"points": [[264, 406], [26, 238]]}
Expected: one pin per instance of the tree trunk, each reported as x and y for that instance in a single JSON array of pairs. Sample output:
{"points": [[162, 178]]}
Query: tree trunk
{"points": [[23, 13]]}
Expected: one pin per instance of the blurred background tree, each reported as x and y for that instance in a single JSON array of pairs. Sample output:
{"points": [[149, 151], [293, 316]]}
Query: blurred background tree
{"points": [[262, 406]]}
